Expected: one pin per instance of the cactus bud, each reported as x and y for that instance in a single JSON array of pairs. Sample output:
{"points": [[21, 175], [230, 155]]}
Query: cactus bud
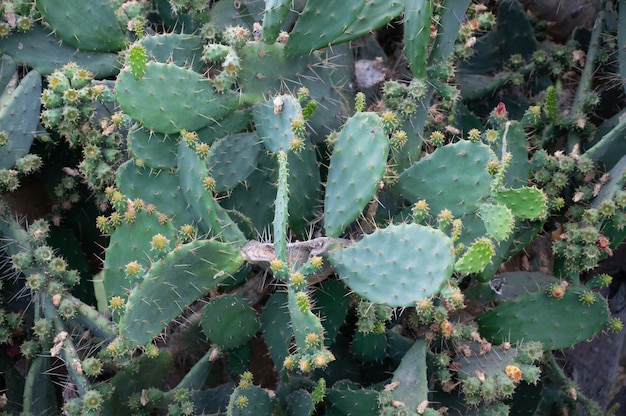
{"points": [[437, 138], [67, 309], [116, 302], [133, 268], [615, 325], [137, 59], [297, 278], [276, 265], [304, 365], [92, 400], [556, 291], [289, 363], [92, 366], [316, 261], [159, 242]]}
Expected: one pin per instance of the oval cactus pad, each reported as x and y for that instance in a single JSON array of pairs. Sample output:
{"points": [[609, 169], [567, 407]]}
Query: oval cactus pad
{"points": [[168, 98], [398, 265]]}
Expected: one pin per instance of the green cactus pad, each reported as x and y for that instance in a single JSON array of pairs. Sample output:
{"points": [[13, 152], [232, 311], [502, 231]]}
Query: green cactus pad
{"points": [[303, 322], [476, 258], [320, 23], [232, 159], [227, 13], [169, 98], [154, 186], [265, 70], [412, 389], [556, 323], [275, 325], [273, 122], [460, 166], [517, 145], [181, 49], [131, 242], [8, 70], [275, 13], [370, 347], [229, 321], [208, 214], [256, 403], [527, 202], [299, 403], [398, 265], [331, 300], [42, 397], [417, 15], [498, 220], [255, 197], [490, 363], [304, 189], [19, 118], [347, 398], [236, 122], [174, 282], [152, 149], [375, 14], [41, 50], [356, 168], [86, 25]]}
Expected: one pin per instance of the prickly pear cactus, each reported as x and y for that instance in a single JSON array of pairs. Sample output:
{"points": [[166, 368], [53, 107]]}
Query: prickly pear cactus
{"points": [[232, 207]]}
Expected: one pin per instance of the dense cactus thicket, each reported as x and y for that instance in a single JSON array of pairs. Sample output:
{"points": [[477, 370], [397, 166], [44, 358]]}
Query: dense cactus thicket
{"points": [[305, 207]]}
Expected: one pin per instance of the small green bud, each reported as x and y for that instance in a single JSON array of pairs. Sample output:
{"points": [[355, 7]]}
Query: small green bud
{"points": [[437, 138], [92, 400], [42, 328], [359, 102], [22, 260], [67, 309], [36, 282]]}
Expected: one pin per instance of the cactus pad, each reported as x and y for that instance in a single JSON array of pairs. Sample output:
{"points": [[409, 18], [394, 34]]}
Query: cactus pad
{"points": [[273, 122], [87, 25], [460, 166], [154, 150], [209, 215], [556, 323], [527, 202], [232, 159], [174, 282], [498, 220], [477, 257], [19, 118], [131, 242], [417, 15], [169, 98], [398, 265], [357, 166], [229, 321], [320, 23], [275, 13]]}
